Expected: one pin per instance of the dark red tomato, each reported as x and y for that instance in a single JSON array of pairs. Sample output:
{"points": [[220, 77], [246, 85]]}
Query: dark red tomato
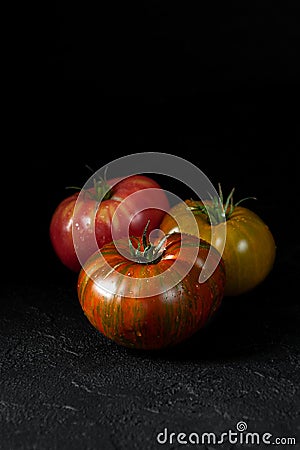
{"points": [[125, 209], [113, 293]]}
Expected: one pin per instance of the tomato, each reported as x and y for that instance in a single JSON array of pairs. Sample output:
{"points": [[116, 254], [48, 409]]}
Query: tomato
{"points": [[248, 245], [125, 208], [153, 303]]}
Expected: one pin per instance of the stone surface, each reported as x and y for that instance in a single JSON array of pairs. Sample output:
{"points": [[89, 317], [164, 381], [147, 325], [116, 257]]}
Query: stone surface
{"points": [[63, 385]]}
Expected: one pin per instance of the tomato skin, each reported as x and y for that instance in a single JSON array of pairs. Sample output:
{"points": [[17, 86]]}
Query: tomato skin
{"points": [[249, 249], [61, 233], [156, 321], [62, 219]]}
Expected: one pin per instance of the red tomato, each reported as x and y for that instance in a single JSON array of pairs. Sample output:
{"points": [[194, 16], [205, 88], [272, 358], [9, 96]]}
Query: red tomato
{"points": [[124, 210], [172, 309]]}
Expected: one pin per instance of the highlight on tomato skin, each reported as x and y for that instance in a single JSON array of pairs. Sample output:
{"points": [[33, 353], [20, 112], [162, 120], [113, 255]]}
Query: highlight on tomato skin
{"points": [[157, 321], [114, 197], [249, 250]]}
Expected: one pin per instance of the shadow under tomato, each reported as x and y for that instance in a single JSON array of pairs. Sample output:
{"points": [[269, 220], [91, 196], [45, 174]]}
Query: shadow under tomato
{"points": [[250, 324]]}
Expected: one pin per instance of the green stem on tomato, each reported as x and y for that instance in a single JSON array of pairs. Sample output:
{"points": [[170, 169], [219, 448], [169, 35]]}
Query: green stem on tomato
{"points": [[151, 253], [101, 189], [216, 211]]}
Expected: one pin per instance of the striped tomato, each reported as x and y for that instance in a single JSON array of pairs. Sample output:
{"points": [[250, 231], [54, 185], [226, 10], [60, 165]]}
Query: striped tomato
{"points": [[148, 296]]}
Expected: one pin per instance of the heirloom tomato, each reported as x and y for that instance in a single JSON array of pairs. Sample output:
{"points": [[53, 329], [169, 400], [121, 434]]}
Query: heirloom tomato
{"points": [[249, 248], [148, 296], [108, 209]]}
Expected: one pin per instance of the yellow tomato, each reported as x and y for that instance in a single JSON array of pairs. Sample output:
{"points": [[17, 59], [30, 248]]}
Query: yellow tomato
{"points": [[247, 248]]}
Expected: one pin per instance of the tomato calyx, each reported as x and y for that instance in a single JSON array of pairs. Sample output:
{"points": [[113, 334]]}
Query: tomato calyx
{"points": [[215, 209], [146, 252], [100, 191]]}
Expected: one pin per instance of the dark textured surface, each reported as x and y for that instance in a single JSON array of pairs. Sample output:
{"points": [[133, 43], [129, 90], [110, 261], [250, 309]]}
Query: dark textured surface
{"points": [[63, 385]]}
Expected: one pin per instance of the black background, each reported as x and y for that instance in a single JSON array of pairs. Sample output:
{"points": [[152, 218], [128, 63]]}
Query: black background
{"points": [[217, 85]]}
